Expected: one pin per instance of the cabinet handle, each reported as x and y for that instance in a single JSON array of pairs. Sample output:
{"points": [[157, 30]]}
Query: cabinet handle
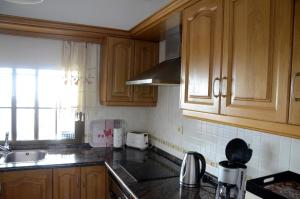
{"points": [[77, 181], [297, 99], [214, 82], [223, 95]]}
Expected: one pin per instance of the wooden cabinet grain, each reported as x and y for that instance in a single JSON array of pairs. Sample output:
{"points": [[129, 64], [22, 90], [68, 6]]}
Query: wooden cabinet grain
{"points": [[66, 183], [117, 68], [294, 114], [145, 58], [33, 184], [201, 56], [255, 70], [120, 60], [79, 182], [93, 182], [87, 182], [256, 59]]}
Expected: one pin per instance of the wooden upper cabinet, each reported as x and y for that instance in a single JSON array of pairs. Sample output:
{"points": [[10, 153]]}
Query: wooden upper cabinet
{"points": [[201, 56], [93, 182], [256, 59], [66, 183], [294, 117], [146, 56], [33, 184], [121, 59]]}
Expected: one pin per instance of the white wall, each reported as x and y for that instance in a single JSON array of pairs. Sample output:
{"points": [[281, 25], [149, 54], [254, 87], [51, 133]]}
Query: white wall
{"points": [[271, 153], [122, 14], [27, 51]]}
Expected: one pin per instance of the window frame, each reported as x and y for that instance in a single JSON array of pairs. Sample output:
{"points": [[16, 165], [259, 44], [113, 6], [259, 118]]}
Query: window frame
{"points": [[78, 137]]}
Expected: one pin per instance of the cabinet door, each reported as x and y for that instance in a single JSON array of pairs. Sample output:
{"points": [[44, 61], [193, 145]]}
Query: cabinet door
{"points": [[93, 182], [66, 183], [33, 184], [201, 56], [294, 117], [256, 59], [146, 56], [119, 69]]}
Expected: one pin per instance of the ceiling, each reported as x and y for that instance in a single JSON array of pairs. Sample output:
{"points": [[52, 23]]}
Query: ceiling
{"points": [[121, 14]]}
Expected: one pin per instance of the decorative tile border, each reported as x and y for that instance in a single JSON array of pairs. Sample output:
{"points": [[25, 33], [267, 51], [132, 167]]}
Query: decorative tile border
{"points": [[182, 150], [179, 149], [168, 144]]}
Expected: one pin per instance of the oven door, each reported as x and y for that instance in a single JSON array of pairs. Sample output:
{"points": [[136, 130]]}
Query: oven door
{"points": [[115, 190]]}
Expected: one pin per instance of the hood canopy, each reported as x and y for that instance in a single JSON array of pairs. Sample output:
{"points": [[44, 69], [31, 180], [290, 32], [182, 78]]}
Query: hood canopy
{"points": [[165, 73]]}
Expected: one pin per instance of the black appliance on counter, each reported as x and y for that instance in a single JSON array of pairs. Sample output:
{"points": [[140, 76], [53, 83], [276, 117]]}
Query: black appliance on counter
{"points": [[232, 172], [152, 174], [284, 185], [148, 170], [139, 166]]}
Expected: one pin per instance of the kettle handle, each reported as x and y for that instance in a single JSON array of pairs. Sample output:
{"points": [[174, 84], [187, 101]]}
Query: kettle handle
{"points": [[203, 164]]}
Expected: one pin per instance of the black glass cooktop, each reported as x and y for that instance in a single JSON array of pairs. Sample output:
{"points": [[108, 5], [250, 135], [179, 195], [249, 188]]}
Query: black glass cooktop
{"points": [[149, 170]]}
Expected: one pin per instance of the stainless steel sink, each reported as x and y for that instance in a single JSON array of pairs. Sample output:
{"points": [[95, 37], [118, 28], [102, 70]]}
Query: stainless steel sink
{"points": [[25, 156]]}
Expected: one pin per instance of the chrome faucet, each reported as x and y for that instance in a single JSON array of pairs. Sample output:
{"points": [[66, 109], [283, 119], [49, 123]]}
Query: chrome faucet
{"points": [[5, 147]]}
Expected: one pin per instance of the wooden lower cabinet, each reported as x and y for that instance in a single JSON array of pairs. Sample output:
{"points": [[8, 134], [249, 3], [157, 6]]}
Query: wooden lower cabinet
{"points": [[33, 184], [79, 183], [60, 183], [66, 183], [93, 182]]}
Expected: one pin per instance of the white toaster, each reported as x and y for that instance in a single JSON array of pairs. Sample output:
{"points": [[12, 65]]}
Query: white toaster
{"points": [[137, 140]]}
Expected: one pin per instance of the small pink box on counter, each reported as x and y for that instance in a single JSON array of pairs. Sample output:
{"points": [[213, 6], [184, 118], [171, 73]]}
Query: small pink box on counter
{"points": [[101, 132]]}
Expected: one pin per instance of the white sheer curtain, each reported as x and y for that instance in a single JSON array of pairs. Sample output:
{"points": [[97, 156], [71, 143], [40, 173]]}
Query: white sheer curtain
{"points": [[80, 63], [74, 64]]}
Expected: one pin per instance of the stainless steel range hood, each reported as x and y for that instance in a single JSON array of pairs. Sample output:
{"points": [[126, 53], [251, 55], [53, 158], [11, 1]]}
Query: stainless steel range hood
{"points": [[167, 72]]}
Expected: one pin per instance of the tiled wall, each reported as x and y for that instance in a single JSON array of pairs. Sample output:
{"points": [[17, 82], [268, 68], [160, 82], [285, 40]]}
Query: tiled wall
{"points": [[175, 134]]}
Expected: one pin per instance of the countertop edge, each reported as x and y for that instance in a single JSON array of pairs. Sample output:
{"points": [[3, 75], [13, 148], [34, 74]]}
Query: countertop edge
{"points": [[51, 166], [120, 180]]}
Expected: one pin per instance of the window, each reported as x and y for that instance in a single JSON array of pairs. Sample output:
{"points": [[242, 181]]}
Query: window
{"points": [[36, 104]]}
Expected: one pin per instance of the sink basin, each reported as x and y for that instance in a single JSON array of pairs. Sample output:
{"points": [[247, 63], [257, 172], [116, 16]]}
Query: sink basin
{"points": [[24, 156]]}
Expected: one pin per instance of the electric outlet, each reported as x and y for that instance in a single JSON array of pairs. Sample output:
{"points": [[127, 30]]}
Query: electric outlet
{"points": [[180, 130]]}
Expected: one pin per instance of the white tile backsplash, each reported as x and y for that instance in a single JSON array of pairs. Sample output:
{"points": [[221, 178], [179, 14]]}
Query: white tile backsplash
{"points": [[271, 153], [295, 153]]}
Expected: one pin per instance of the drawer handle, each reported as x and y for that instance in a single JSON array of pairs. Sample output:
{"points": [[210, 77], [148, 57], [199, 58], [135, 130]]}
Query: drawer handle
{"points": [[223, 95], [214, 83], [297, 99]]}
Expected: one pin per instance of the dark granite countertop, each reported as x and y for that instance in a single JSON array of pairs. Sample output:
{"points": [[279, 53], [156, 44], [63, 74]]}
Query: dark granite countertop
{"points": [[160, 189], [62, 157], [163, 189]]}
